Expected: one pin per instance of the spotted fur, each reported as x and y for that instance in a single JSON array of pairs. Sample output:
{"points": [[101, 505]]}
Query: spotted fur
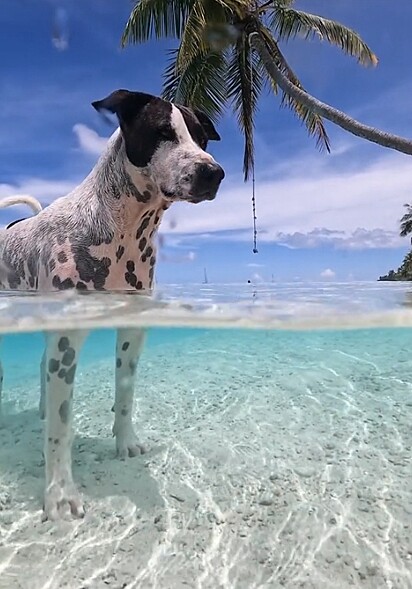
{"points": [[101, 236]]}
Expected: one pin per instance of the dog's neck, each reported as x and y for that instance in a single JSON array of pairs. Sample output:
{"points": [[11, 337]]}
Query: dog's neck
{"points": [[129, 193]]}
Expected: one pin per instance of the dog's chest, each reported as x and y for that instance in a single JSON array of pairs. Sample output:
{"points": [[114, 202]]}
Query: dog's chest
{"points": [[132, 263]]}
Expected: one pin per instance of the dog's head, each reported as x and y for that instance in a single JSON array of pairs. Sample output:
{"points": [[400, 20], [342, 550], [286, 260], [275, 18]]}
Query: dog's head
{"points": [[169, 141]]}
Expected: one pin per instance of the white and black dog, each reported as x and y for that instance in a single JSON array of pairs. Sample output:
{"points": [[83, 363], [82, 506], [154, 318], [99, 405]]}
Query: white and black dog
{"points": [[101, 237]]}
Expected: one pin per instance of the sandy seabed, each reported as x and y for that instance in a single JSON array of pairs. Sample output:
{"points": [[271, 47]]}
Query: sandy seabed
{"points": [[269, 464]]}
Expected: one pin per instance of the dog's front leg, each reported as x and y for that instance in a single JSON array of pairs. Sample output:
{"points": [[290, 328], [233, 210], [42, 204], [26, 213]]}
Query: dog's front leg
{"points": [[128, 349], [62, 354]]}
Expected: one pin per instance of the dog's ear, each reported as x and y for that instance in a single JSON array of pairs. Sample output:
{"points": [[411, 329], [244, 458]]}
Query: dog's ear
{"points": [[207, 125], [125, 104]]}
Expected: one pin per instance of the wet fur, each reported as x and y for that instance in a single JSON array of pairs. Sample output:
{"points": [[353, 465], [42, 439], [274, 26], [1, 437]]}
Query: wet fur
{"points": [[101, 236]]}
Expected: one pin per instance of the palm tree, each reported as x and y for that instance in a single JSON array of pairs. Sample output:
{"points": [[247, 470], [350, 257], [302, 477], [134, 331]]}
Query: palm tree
{"points": [[230, 50], [406, 221]]}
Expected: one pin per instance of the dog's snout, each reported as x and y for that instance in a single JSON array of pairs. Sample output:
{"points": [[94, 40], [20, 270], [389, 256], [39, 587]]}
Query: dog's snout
{"points": [[210, 173], [206, 181]]}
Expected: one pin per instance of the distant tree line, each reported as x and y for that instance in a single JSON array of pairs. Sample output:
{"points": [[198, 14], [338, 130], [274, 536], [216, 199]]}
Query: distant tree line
{"points": [[404, 272]]}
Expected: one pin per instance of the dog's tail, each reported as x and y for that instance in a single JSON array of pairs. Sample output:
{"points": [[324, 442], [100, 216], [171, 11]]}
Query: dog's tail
{"points": [[23, 199]]}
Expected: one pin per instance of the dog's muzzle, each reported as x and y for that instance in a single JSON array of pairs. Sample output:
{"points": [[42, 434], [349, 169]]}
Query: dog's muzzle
{"points": [[206, 182]]}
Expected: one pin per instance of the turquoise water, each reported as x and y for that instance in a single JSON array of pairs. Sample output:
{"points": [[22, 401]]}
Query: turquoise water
{"points": [[276, 457]]}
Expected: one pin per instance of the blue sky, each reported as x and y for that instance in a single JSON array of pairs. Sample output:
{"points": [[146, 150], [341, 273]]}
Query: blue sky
{"points": [[321, 217]]}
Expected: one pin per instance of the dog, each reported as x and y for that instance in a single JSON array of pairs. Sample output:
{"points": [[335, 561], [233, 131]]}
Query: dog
{"points": [[101, 236]]}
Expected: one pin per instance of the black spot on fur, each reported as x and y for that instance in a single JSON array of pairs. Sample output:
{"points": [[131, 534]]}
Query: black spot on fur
{"points": [[133, 365], [70, 375], [118, 363], [131, 278], [62, 284], [143, 226], [124, 412], [119, 253], [152, 261], [90, 268], [142, 244], [139, 285], [63, 344], [125, 346], [81, 286], [148, 252], [54, 365], [130, 266], [68, 357], [62, 373], [61, 257]]}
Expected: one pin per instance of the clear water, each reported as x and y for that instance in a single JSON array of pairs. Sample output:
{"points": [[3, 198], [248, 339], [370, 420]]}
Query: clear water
{"points": [[278, 425]]}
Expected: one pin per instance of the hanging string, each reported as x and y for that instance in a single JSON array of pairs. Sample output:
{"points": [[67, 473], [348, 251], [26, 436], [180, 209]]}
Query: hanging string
{"points": [[255, 249]]}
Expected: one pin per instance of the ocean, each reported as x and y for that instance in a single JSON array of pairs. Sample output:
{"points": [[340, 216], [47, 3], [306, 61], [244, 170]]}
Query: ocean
{"points": [[277, 421]]}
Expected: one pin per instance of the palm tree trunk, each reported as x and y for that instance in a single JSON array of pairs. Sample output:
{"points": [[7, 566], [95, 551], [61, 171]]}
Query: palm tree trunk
{"points": [[328, 112]]}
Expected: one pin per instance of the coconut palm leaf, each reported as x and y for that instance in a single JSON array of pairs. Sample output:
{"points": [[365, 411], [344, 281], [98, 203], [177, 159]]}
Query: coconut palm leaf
{"points": [[202, 84], [312, 121], [288, 22], [156, 18], [193, 40], [406, 221], [244, 86]]}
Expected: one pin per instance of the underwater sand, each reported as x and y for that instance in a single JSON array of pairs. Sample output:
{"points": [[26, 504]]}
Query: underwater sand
{"points": [[275, 459]]}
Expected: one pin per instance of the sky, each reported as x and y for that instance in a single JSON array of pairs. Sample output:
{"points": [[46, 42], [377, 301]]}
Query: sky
{"points": [[326, 217]]}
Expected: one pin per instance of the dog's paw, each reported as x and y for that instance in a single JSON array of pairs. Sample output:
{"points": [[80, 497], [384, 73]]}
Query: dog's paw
{"points": [[127, 444], [61, 500]]}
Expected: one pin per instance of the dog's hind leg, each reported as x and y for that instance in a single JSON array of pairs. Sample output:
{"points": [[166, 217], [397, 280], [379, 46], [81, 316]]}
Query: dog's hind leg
{"points": [[62, 354], [128, 349]]}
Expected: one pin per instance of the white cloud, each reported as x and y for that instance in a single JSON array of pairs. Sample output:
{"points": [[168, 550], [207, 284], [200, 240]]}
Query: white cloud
{"points": [[254, 265], [308, 205], [328, 273], [89, 140]]}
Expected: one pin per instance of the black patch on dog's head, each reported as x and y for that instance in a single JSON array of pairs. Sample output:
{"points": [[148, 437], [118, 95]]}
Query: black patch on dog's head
{"points": [[199, 126], [146, 122], [144, 119]]}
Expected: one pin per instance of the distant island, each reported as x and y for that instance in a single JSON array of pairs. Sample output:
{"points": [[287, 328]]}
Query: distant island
{"points": [[404, 272]]}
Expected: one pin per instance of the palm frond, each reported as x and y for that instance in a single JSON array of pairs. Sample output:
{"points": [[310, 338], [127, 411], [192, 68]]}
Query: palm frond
{"points": [[244, 86], [202, 84], [288, 22], [312, 121], [406, 221], [156, 18], [193, 39]]}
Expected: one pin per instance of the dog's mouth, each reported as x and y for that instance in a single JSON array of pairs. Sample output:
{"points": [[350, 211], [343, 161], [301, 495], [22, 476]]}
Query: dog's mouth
{"points": [[197, 198], [194, 198]]}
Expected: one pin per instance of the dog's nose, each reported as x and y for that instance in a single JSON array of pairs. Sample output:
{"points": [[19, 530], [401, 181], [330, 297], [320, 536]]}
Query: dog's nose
{"points": [[210, 174]]}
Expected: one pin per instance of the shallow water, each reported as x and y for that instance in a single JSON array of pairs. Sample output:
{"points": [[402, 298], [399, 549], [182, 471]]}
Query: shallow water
{"points": [[276, 457]]}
